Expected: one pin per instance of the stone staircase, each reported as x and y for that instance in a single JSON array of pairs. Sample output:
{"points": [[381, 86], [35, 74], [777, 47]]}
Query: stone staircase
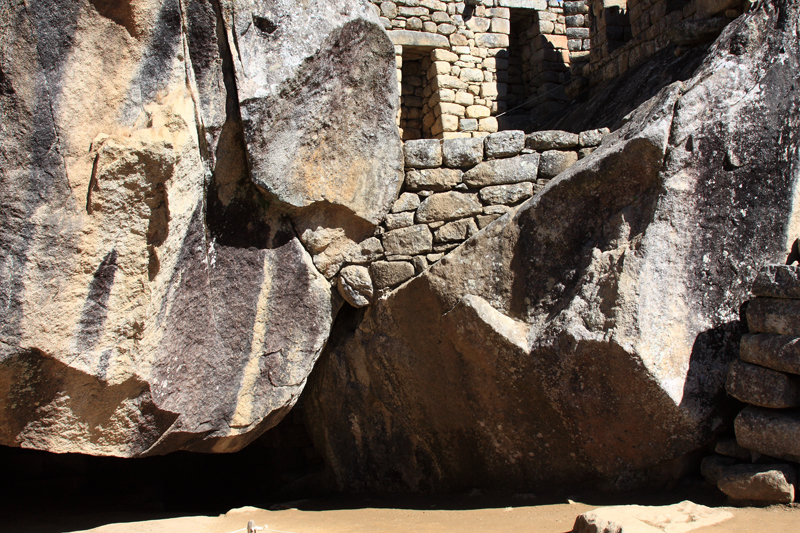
{"points": [[760, 465]]}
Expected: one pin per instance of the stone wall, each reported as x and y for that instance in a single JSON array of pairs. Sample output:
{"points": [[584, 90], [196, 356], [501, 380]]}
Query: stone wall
{"points": [[453, 189]]}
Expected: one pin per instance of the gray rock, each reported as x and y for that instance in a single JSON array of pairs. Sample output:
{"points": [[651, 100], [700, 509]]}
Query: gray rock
{"points": [[551, 140], [504, 143], [496, 209], [506, 194], [457, 230], [366, 251], [584, 152], [388, 274], [730, 448], [399, 220], [503, 171], [759, 483], [777, 281], [685, 515], [420, 264], [423, 153], [408, 241], [592, 138], [462, 152], [779, 352], [769, 432], [773, 315], [432, 258], [763, 387], [309, 138], [355, 285], [408, 201], [448, 206], [419, 39], [713, 467], [692, 32], [434, 179], [554, 162], [484, 220]]}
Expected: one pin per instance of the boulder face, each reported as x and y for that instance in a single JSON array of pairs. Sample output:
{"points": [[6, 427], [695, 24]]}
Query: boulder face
{"points": [[586, 335], [153, 299]]}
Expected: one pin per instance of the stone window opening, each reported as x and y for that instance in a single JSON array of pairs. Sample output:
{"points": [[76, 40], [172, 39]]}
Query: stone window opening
{"points": [[415, 93]]}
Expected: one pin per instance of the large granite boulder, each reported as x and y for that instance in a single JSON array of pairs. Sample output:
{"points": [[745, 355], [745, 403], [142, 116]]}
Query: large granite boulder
{"points": [[586, 335], [153, 298]]}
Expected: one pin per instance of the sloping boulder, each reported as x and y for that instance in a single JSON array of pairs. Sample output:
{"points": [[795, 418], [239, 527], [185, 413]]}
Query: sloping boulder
{"points": [[627, 271]]}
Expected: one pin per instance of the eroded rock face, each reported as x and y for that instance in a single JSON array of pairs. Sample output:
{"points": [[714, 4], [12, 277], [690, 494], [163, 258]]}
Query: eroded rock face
{"points": [[153, 299], [585, 335]]}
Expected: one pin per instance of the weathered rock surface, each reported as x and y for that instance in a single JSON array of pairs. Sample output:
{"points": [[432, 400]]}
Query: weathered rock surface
{"points": [[587, 336], [759, 483], [761, 386], [771, 432], [313, 127], [153, 299], [713, 467], [355, 285], [774, 315], [779, 352], [503, 171], [504, 144], [677, 518], [778, 281]]}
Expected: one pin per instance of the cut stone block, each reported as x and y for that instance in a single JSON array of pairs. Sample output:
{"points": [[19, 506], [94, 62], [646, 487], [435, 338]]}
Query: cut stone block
{"points": [[408, 201], [457, 230], [448, 206], [366, 251], [778, 281], [761, 386], [434, 179], [759, 483], [769, 432], [418, 39], [554, 162], [399, 220], [466, 152], [506, 194], [779, 352], [408, 241], [423, 153], [551, 140], [387, 274], [774, 315], [730, 448], [588, 139], [503, 171], [504, 144]]}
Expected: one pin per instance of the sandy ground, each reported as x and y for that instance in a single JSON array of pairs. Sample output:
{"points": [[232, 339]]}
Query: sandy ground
{"points": [[369, 516]]}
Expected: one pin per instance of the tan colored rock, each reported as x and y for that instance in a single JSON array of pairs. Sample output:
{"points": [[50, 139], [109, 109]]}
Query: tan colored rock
{"points": [[478, 111], [435, 179], [677, 518], [408, 241], [774, 315], [457, 230], [355, 285], [759, 483], [388, 274], [448, 206]]}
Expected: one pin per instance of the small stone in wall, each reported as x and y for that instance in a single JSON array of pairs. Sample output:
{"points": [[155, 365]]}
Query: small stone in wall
{"points": [[423, 153], [399, 220], [413, 240], [465, 152], [366, 251], [777, 281], [554, 162], [504, 144], [713, 467], [456, 231], [434, 179], [355, 285], [387, 274], [591, 138], [730, 448], [759, 483], [408, 201], [506, 194], [551, 140], [448, 206], [420, 264], [496, 210], [485, 220]]}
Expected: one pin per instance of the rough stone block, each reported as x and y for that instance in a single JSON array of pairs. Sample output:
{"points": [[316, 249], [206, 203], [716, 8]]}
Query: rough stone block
{"points": [[434, 179], [440, 54], [484, 220], [551, 140], [488, 125], [399, 220], [779, 352], [458, 153], [777, 281], [492, 40], [457, 230], [501, 26], [408, 241], [759, 483], [418, 38], [406, 202], [355, 285], [592, 138], [763, 387], [452, 109], [774, 315], [504, 144], [388, 274], [537, 5], [448, 206], [730, 448], [478, 111], [478, 24], [468, 124], [712, 468], [503, 171], [554, 162], [577, 33], [552, 41], [366, 251], [471, 75], [464, 98], [770, 432], [446, 29], [423, 153], [506, 194]]}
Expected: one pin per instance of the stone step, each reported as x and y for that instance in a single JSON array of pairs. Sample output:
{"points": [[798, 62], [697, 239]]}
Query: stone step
{"points": [[761, 386], [774, 315], [779, 352], [778, 281], [770, 432]]}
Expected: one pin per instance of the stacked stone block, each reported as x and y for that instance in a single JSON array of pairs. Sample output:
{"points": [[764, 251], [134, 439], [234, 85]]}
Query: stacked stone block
{"points": [[453, 188], [624, 33], [767, 377]]}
